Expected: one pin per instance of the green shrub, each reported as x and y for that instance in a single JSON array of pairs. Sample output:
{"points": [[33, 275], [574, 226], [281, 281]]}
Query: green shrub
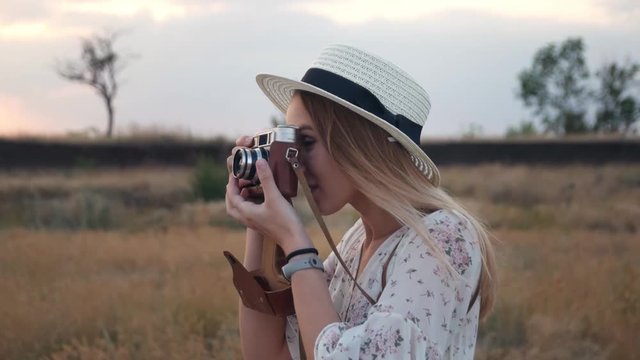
{"points": [[84, 163], [209, 180]]}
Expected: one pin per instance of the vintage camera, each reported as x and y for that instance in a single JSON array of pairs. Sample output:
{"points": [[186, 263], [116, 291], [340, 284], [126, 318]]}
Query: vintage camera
{"points": [[274, 145]]}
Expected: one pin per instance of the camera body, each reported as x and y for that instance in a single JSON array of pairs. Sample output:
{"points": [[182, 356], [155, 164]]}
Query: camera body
{"points": [[274, 145]]}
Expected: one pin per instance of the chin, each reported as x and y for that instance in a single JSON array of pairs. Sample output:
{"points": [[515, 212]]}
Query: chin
{"points": [[329, 209]]}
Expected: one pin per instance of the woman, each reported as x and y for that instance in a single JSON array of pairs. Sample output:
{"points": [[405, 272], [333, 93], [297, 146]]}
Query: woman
{"points": [[425, 262]]}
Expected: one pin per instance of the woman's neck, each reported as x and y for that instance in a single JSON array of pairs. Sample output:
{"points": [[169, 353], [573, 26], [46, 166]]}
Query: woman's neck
{"points": [[378, 223]]}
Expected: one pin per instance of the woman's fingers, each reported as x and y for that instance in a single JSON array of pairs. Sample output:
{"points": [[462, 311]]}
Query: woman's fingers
{"points": [[242, 183], [231, 210], [253, 194], [244, 141], [229, 163], [257, 207], [266, 179], [230, 199], [234, 197]]}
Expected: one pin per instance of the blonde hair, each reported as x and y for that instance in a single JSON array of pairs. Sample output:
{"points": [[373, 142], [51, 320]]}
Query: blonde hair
{"points": [[364, 153]]}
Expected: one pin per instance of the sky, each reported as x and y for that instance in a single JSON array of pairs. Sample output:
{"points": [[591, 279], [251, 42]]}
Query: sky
{"points": [[192, 63]]}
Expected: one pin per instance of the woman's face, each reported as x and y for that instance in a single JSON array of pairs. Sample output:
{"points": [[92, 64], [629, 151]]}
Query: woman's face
{"points": [[330, 187]]}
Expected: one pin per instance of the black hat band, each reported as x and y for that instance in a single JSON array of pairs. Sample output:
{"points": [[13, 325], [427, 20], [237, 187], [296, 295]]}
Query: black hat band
{"points": [[362, 98]]}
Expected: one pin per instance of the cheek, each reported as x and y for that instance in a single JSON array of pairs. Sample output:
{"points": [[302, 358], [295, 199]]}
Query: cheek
{"points": [[315, 163], [334, 197], [338, 187], [326, 172], [345, 187]]}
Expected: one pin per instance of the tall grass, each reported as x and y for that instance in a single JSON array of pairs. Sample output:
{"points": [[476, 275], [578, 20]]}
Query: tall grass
{"points": [[92, 294], [565, 296], [146, 280]]}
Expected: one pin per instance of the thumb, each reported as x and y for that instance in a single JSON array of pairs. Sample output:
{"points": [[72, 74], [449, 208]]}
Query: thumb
{"points": [[266, 179]]}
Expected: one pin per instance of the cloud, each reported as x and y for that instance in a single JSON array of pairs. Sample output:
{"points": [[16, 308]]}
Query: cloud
{"points": [[626, 11], [357, 12], [38, 30], [620, 6], [23, 10], [48, 19], [158, 10]]}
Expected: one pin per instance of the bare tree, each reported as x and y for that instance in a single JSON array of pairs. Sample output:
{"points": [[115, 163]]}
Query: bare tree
{"points": [[98, 67]]}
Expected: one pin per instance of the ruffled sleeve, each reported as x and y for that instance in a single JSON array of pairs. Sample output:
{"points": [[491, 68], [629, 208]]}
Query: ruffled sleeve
{"points": [[421, 308]]}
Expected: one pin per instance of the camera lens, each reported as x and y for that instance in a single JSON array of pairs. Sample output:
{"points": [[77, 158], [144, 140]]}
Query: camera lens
{"points": [[244, 162]]}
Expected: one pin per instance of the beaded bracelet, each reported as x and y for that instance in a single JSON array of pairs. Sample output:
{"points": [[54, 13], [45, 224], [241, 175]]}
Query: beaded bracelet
{"points": [[302, 251]]}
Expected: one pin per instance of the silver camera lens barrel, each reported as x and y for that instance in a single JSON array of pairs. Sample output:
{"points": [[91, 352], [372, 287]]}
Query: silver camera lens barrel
{"points": [[244, 162]]}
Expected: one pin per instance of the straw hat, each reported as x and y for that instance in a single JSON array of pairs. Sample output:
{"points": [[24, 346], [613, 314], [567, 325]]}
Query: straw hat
{"points": [[368, 85]]}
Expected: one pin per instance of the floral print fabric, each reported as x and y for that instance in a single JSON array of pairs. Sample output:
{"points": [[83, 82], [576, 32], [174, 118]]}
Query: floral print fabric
{"points": [[421, 313]]}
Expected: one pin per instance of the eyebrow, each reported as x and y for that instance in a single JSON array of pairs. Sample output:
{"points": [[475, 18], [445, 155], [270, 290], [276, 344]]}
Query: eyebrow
{"points": [[305, 127]]}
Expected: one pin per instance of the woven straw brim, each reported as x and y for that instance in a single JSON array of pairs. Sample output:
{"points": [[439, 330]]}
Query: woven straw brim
{"points": [[280, 90]]}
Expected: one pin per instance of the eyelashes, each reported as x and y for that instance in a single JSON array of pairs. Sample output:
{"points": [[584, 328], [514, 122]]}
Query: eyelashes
{"points": [[307, 141]]}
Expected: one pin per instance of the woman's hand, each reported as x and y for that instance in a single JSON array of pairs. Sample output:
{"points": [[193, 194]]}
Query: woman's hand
{"points": [[274, 218]]}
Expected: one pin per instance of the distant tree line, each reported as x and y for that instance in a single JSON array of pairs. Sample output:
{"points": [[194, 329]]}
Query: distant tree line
{"points": [[558, 89]]}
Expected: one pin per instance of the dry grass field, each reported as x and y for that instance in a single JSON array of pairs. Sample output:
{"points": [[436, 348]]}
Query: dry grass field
{"points": [[121, 264]]}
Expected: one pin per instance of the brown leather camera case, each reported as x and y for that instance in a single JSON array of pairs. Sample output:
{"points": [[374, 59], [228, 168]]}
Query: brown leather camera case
{"points": [[254, 296]]}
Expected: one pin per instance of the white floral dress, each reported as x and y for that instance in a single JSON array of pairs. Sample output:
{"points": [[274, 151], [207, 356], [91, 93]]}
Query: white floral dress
{"points": [[422, 311]]}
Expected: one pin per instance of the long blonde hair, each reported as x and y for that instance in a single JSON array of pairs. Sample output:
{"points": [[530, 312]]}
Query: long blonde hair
{"points": [[364, 153]]}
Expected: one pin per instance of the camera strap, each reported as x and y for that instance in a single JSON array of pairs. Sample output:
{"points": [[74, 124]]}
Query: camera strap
{"points": [[298, 168]]}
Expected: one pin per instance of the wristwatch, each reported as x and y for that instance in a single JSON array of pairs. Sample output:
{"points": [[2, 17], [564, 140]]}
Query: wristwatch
{"points": [[311, 262]]}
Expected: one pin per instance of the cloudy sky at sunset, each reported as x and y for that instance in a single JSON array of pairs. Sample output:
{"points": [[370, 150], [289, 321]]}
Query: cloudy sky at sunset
{"points": [[195, 60]]}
